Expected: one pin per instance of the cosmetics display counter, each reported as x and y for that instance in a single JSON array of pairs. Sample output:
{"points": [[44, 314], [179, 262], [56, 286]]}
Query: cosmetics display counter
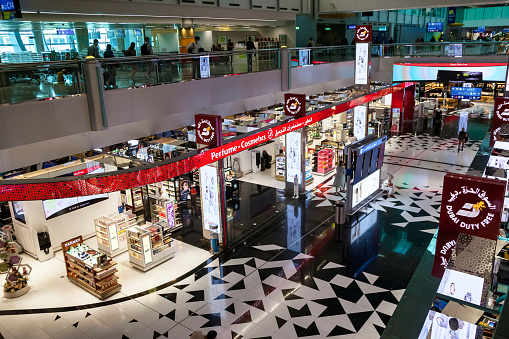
{"points": [[325, 161], [111, 232], [149, 245], [281, 167], [91, 270]]}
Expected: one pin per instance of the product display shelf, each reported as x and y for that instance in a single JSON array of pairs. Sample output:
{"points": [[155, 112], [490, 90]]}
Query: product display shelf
{"points": [[146, 246], [90, 269], [134, 199], [308, 173], [325, 162], [280, 167]]}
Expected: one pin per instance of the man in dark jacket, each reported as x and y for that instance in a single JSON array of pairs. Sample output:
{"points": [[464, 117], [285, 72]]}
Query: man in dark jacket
{"points": [[250, 46], [462, 137]]}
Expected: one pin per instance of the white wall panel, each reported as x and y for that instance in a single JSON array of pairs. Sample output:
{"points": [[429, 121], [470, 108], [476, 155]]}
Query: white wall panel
{"points": [[307, 76], [71, 115], [265, 4], [289, 5], [373, 5], [237, 4], [3, 136]]}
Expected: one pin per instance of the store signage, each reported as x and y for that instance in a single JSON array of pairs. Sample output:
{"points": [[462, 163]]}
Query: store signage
{"points": [[363, 33], [137, 32], [7, 5], [501, 110], [481, 29], [451, 15], [170, 214], [70, 243], [371, 146], [120, 33], [87, 170], [435, 26], [204, 67], [19, 190], [65, 31], [352, 26], [359, 122], [470, 205], [147, 252], [470, 93], [361, 63], [113, 236], [208, 129], [295, 105]]}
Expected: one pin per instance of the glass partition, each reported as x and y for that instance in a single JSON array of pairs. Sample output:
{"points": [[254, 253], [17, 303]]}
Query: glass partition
{"points": [[36, 81]]}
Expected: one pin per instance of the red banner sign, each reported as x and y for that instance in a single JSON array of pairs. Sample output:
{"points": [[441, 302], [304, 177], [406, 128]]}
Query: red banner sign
{"points": [[470, 205], [65, 188], [363, 33], [208, 129], [295, 105]]}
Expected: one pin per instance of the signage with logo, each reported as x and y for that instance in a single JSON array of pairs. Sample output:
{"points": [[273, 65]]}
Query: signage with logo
{"points": [[71, 243], [204, 67], [361, 63], [435, 26], [352, 26], [137, 32], [120, 33], [470, 205], [451, 15], [455, 50], [7, 5], [293, 157], [208, 129], [363, 33], [170, 214], [501, 114], [65, 31], [295, 105]]}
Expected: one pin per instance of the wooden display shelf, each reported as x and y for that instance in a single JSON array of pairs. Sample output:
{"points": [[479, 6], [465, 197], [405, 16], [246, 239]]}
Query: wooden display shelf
{"points": [[99, 294]]}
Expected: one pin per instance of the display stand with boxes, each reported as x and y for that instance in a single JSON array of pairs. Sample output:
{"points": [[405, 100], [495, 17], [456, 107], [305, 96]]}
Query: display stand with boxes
{"points": [[325, 162], [91, 270], [280, 167], [147, 246], [111, 232]]}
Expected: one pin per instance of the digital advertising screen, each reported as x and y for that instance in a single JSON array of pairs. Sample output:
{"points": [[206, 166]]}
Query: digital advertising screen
{"points": [[304, 57], [365, 188], [470, 93], [7, 5], [19, 212], [209, 191], [467, 72], [435, 26], [204, 66], [57, 207], [293, 156], [481, 29]]}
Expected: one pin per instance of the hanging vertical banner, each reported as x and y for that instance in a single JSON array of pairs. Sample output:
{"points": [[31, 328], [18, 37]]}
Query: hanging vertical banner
{"points": [[295, 105], [359, 118], [470, 205], [204, 67], [304, 57], [209, 130], [363, 33], [451, 15], [361, 63]]}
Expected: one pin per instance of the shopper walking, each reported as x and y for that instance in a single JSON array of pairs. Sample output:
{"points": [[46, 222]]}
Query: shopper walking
{"points": [[146, 49], [199, 335], [462, 138], [250, 46], [93, 50], [131, 51], [193, 48], [229, 48], [112, 68], [340, 179]]}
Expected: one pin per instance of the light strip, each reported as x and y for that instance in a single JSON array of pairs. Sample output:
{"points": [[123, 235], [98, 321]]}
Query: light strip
{"points": [[148, 16]]}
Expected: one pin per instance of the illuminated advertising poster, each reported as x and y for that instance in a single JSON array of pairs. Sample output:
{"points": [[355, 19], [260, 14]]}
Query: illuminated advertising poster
{"points": [[507, 81], [294, 227], [365, 188], [204, 66], [463, 121], [147, 253], [461, 286], [467, 72], [209, 191], [304, 57], [396, 115], [455, 50], [469, 93], [501, 114], [170, 214], [359, 125], [361, 63], [293, 156], [441, 328]]}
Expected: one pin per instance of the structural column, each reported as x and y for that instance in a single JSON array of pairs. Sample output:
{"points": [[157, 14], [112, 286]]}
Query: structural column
{"points": [[408, 109], [396, 111]]}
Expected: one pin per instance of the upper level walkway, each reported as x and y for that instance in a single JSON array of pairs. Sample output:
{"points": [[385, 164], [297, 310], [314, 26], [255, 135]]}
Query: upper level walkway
{"points": [[140, 96]]}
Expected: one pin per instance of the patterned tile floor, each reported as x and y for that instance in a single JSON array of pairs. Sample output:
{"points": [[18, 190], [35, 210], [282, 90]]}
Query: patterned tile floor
{"points": [[300, 277]]}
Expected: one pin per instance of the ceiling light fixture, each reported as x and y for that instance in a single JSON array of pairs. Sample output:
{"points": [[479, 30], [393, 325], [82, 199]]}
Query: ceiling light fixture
{"points": [[148, 16]]}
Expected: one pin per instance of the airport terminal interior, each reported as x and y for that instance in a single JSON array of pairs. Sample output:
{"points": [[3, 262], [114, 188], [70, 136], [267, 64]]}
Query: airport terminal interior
{"points": [[262, 169]]}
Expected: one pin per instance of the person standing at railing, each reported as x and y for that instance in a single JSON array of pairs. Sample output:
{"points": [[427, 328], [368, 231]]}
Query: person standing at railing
{"points": [[112, 68], [194, 47], [146, 49], [93, 50], [229, 48], [250, 46], [131, 51]]}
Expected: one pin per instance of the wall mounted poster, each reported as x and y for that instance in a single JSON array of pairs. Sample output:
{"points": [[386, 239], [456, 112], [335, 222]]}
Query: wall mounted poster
{"points": [[361, 63], [293, 156], [170, 214], [204, 66], [209, 191], [359, 118]]}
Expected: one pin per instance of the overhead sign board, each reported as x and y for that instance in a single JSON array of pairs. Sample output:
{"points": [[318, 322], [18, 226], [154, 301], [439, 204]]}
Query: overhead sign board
{"points": [[208, 129], [470, 93], [363, 33], [295, 105]]}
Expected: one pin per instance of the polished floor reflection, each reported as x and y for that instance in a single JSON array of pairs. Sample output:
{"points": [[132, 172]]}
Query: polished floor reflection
{"points": [[296, 274]]}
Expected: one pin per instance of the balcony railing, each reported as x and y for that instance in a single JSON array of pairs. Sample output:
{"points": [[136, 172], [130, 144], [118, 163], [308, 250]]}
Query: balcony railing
{"points": [[21, 82]]}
